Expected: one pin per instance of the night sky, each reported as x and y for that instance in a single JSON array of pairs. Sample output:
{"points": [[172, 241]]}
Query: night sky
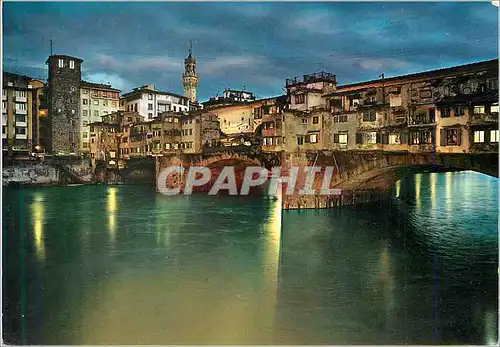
{"points": [[246, 45]]}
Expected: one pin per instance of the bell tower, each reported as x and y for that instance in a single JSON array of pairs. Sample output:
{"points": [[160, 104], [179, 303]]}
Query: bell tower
{"points": [[189, 77]]}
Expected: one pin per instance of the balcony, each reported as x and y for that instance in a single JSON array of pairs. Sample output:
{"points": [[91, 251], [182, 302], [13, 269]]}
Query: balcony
{"points": [[21, 136], [20, 111], [18, 98], [484, 118], [421, 120], [4, 95]]}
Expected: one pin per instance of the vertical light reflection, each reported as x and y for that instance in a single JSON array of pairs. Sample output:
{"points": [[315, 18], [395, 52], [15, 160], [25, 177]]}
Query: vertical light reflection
{"points": [[398, 188], [38, 216], [433, 183], [418, 184], [448, 180], [111, 200], [273, 240], [490, 328], [386, 281]]}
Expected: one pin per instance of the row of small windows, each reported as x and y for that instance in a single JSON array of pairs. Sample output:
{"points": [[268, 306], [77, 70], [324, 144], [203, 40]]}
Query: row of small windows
{"points": [[102, 93], [96, 102]]}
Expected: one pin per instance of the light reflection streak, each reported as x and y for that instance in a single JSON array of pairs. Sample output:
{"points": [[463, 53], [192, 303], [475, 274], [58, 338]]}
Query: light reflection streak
{"points": [[398, 188], [387, 282], [433, 183], [273, 252], [418, 185], [490, 328], [111, 209], [448, 178], [38, 216]]}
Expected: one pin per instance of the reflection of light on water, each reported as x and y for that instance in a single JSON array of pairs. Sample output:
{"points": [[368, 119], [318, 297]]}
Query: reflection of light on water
{"points": [[490, 328], [398, 188], [448, 178], [111, 199], [38, 215], [386, 281], [273, 251], [433, 182], [418, 183]]}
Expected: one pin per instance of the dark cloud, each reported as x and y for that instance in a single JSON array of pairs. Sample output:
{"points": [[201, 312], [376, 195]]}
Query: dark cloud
{"points": [[252, 45]]}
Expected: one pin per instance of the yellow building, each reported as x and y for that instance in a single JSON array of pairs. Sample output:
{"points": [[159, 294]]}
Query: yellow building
{"points": [[21, 105]]}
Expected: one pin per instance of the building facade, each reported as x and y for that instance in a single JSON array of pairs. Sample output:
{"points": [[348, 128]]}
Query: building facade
{"points": [[22, 104], [64, 103], [150, 102], [453, 110], [96, 100]]}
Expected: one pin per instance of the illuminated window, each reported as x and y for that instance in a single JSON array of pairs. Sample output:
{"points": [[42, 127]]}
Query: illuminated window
{"points": [[394, 139], [71, 64], [343, 138], [478, 109], [494, 135], [494, 108], [479, 136], [61, 63]]}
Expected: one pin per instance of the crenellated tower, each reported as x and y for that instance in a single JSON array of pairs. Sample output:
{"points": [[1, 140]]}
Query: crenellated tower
{"points": [[189, 77]]}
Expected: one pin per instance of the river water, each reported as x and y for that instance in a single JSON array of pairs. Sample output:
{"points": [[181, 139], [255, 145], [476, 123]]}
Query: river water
{"points": [[124, 265]]}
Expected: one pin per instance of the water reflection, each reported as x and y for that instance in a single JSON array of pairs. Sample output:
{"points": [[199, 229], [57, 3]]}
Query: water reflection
{"points": [[111, 210], [448, 182], [37, 216], [432, 186], [398, 188], [418, 187]]}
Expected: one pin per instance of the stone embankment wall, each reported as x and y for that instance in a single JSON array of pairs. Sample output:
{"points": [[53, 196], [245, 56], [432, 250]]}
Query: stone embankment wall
{"points": [[33, 173]]}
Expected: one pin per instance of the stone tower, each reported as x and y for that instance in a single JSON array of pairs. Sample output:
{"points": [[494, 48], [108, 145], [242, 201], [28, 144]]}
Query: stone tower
{"points": [[64, 103], [189, 77]]}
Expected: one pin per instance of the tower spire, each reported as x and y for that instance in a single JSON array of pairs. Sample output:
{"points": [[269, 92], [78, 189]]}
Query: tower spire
{"points": [[189, 77]]}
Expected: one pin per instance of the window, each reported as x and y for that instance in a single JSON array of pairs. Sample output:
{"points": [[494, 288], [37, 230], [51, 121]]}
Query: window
{"points": [[175, 109], [300, 98], [395, 100], [20, 118], [494, 108], [479, 136], [20, 106], [71, 64], [445, 112], [21, 130], [313, 138], [114, 103], [85, 91], [340, 138], [190, 131], [425, 94], [150, 107], [300, 140], [85, 123], [61, 63], [95, 92], [85, 134], [494, 135], [105, 103], [492, 84], [478, 109], [96, 102], [460, 111], [104, 112], [451, 137], [85, 101], [21, 93], [394, 139], [4, 129], [304, 120], [150, 115], [369, 116], [104, 94], [341, 118], [315, 120], [370, 137], [421, 138], [96, 113], [150, 96]]}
